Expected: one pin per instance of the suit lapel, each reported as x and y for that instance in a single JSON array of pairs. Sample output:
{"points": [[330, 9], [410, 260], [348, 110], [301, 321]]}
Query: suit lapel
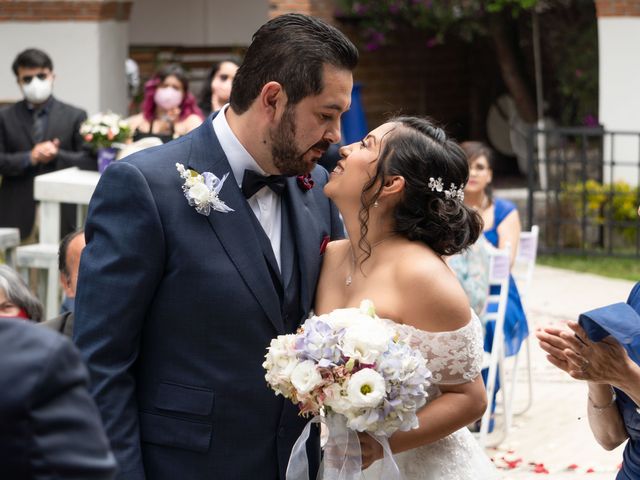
{"points": [[306, 234], [54, 117], [235, 229], [25, 120]]}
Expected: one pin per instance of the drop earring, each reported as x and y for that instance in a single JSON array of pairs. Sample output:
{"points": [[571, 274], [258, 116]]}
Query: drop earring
{"points": [[376, 204]]}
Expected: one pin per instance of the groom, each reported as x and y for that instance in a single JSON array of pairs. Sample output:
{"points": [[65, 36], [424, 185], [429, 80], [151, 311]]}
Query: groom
{"points": [[175, 307]]}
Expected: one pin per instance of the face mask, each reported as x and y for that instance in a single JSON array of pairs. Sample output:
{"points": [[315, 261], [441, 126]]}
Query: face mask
{"points": [[37, 91], [21, 314], [168, 98]]}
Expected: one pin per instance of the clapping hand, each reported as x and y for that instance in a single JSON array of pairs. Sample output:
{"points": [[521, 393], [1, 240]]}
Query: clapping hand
{"points": [[44, 152], [571, 350]]}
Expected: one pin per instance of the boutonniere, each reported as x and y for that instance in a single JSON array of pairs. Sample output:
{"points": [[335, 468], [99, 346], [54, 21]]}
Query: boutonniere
{"points": [[201, 190], [305, 182]]}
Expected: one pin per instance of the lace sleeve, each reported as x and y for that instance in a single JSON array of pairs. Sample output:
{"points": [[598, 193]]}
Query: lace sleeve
{"points": [[453, 357]]}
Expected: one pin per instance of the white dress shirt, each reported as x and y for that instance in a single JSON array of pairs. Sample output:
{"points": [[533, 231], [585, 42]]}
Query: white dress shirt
{"points": [[265, 204]]}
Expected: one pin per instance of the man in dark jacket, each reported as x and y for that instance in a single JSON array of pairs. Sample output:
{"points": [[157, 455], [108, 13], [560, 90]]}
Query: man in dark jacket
{"points": [[49, 425], [39, 134]]}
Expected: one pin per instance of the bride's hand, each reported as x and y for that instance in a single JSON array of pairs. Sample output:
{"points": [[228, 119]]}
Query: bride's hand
{"points": [[371, 449]]}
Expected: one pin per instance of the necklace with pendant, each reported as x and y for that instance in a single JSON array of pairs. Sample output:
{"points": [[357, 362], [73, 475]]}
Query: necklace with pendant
{"points": [[349, 280]]}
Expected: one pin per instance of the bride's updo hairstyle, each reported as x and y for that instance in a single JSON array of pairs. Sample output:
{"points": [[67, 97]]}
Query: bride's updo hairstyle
{"points": [[430, 210]]}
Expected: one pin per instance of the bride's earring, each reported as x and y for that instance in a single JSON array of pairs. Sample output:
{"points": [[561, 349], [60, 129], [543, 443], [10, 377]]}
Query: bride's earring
{"points": [[376, 204]]}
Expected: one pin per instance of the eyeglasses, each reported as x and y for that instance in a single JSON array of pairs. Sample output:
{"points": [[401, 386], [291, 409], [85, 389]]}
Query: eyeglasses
{"points": [[27, 78]]}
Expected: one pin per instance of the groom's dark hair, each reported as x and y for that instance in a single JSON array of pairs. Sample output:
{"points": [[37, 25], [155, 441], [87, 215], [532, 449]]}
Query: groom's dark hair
{"points": [[291, 49]]}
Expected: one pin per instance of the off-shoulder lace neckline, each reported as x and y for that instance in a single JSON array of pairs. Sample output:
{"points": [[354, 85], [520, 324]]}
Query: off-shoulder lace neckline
{"points": [[468, 325]]}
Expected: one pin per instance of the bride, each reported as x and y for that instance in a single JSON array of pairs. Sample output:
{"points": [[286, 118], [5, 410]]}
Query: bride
{"points": [[400, 194]]}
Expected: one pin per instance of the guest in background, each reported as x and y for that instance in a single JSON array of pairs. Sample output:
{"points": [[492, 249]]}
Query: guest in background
{"points": [[38, 135], [16, 300], [132, 72], [603, 349], [217, 87], [49, 425], [501, 226], [471, 267], [169, 110], [69, 253]]}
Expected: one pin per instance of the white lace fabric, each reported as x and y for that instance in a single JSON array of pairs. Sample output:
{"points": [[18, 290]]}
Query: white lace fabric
{"points": [[453, 357]]}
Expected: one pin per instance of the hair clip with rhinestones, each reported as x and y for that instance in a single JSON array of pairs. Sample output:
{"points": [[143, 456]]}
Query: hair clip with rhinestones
{"points": [[453, 193]]}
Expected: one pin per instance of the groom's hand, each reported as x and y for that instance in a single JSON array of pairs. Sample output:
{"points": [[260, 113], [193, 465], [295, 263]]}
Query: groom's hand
{"points": [[370, 448]]}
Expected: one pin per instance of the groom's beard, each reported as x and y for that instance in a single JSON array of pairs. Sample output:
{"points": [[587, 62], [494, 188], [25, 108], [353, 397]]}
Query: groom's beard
{"points": [[287, 158]]}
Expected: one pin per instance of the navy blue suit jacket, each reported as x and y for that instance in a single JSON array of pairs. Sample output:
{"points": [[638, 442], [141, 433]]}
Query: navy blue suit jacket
{"points": [[49, 425], [174, 312]]}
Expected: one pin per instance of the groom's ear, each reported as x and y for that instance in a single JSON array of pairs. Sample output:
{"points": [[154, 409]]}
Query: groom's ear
{"points": [[272, 99]]}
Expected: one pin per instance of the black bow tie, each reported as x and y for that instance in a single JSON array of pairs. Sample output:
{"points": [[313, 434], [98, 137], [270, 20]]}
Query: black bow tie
{"points": [[252, 182]]}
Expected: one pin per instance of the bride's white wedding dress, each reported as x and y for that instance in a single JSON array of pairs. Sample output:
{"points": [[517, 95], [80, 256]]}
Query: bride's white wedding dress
{"points": [[453, 358]]}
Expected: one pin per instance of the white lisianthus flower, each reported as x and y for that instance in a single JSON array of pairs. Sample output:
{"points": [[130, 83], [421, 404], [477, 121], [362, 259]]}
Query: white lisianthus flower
{"points": [[305, 377], [366, 388], [199, 193]]}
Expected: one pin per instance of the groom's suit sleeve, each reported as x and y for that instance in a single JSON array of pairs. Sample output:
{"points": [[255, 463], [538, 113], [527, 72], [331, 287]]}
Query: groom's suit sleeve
{"points": [[120, 269]]}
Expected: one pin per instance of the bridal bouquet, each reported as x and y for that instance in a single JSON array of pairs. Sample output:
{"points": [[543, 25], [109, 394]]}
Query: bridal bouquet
{"points": [[350, 364], [104, 130]]}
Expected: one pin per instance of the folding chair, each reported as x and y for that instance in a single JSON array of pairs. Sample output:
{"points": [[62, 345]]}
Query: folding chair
{"points": [[499, 271], [523, 274]]}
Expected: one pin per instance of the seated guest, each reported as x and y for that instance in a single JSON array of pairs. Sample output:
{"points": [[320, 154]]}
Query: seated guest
{"points": [[169, 110], [217, 87], [472, 269], [49, 425], [69, 253], [16, 300], [39, 134], [501, 227]]}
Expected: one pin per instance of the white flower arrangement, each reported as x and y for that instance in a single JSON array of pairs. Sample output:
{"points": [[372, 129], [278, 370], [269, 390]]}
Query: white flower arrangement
{"points": [[350, 363], [105, 130], [202, 190]]}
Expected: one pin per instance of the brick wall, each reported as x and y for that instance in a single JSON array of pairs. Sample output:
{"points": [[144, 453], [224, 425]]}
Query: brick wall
{"points": [[405, 77], [88, 10], [618, 8]]}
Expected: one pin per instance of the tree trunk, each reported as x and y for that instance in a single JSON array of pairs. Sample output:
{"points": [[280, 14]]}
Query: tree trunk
{"points": [[511, 75]]}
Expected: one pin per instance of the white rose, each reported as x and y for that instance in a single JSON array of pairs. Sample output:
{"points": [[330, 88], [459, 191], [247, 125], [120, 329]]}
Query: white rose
{"points": [[305, 377], [366, 388], [200, 193], [342, 318], [334, 398], [281, 356], [365, 341]]}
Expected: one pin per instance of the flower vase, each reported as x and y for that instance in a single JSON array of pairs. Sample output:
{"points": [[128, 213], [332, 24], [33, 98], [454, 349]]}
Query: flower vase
{"points": [[106, 156]]}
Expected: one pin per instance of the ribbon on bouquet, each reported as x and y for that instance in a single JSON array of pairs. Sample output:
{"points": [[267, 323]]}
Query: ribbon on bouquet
{"points": [[342, 459]]}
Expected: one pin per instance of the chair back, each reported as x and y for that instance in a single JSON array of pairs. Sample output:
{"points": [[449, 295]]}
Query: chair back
{"points": [[526, 260], [499, 269]]}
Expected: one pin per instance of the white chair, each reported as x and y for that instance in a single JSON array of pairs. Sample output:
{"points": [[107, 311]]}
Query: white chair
{"points": [[499, 270], [523, 275], [9, 241], [42, 256]]}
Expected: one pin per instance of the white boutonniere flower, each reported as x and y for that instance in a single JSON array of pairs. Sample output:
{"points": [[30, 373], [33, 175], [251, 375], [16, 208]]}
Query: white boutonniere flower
{"points": [[201, 190]]}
